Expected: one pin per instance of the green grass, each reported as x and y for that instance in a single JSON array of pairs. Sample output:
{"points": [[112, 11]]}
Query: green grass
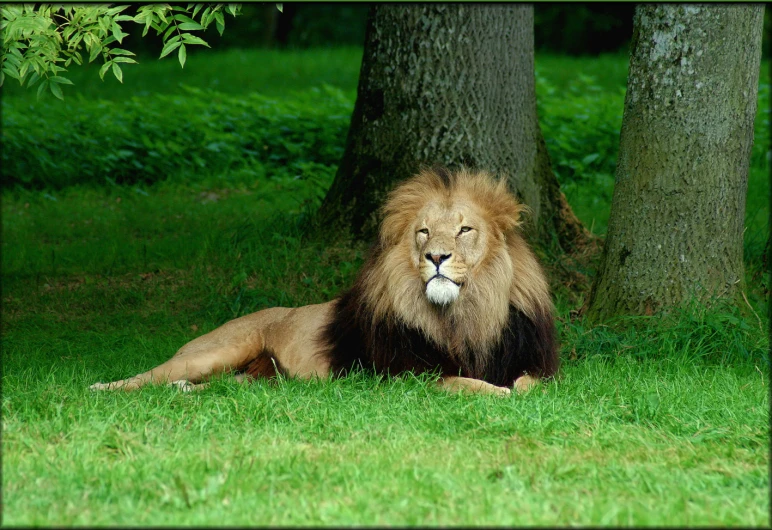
{"points": [[648, 424], [610, 444]]}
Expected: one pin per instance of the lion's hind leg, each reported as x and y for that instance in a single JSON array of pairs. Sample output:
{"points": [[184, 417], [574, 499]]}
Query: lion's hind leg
{"points": [[194, 363]]}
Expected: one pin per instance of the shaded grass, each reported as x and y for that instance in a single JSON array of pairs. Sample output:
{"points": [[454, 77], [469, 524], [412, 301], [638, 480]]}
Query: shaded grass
{"points": [[233, 71]]}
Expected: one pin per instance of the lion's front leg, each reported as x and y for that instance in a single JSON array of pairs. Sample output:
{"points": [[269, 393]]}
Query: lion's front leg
{"points": [[457, 384]]}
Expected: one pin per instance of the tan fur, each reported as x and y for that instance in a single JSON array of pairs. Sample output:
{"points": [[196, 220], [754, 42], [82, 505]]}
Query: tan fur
{"points": [[491, 263]]}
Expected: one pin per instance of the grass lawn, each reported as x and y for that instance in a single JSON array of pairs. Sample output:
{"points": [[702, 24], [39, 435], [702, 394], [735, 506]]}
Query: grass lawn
{"points": [[646, 425]]}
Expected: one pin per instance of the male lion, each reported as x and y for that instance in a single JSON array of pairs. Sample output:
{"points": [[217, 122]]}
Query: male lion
{"points": [[450, 286]]}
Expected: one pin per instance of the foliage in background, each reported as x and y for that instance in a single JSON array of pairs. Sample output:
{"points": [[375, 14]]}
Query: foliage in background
{"points": [[40, 42], [144, 140], [581, 124], [232, 137]]}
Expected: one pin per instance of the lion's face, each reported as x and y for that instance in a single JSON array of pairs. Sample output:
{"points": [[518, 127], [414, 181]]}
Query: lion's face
{"points": [[449, 240], [452, 243]]}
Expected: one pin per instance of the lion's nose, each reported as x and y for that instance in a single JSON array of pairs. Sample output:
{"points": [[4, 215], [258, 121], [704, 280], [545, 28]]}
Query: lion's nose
{"points": [[437, 259]]}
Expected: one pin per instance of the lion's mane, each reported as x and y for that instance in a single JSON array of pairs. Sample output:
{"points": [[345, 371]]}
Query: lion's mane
{"points": [[500, 328]]}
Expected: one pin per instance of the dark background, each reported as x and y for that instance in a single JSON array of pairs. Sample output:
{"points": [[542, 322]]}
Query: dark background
{"points": [[560, 28], [585, 29]]}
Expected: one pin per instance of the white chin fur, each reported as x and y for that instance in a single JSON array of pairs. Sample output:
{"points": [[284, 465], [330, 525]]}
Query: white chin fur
{"points": [[442, 291]]}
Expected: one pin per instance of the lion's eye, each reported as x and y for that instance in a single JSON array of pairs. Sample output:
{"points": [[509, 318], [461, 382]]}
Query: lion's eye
{"points": [[465, 229], [424, 231]]}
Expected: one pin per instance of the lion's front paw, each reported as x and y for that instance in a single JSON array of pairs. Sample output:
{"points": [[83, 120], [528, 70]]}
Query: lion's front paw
{"points": [[183, 384], [186, 386], [132, 383], [501, 391], [524, 383]]}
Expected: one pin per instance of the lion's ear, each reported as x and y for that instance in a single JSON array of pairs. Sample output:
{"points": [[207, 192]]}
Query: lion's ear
{"points": [[505, 209]]}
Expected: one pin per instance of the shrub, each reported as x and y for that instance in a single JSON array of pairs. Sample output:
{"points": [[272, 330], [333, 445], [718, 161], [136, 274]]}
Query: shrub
{"points": [[147, 139], [581, 127]]}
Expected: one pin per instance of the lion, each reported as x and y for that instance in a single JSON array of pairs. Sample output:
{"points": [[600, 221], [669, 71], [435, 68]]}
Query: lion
{"points": [[449, 287]]}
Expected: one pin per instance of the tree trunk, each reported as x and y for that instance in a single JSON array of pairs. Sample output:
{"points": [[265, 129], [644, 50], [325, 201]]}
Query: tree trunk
{"points": [[447, 84], [675, 233], [269, 15], [284, 24]]}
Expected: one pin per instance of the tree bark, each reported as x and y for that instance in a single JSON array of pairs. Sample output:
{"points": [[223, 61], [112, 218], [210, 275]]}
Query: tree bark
{"points": [[447, 84], [675, 233]]}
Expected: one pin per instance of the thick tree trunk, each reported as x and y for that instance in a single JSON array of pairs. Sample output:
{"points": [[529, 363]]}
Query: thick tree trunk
{"points": [[447, 84], [675, 232]]}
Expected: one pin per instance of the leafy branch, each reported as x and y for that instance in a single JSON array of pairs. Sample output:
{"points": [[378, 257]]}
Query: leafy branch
{"points": [[39, 42]]}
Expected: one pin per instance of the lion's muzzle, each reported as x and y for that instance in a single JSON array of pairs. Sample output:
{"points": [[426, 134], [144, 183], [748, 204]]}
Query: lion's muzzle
{"points": [[442, 290]]}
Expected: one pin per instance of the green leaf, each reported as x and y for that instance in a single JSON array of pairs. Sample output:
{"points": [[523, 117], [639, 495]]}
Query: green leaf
{"points": [[104, 24], [205, 19], [159, 10], [117, 33], [118, 51], [33, 79], [2, 78], [104, 69], [61, 80], [94, 53], [182, 55], [187, 38], [220, 22], [115, 10], [145, 16], [127, 60], [11, 70], [24, 68], [190, 26], [169, 31], [184, 19], [11, 58], [74, 42], [169, 48], [41, 88], [56, 90], [117, 72], [280, 7]]}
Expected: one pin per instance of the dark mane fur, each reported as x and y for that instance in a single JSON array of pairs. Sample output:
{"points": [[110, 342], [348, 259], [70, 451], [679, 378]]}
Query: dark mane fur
{"points": [[352, 340]]}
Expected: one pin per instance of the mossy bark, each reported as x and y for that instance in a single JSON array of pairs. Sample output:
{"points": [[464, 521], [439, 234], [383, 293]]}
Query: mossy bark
{"points": [[675, 233], [447, 84]]}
